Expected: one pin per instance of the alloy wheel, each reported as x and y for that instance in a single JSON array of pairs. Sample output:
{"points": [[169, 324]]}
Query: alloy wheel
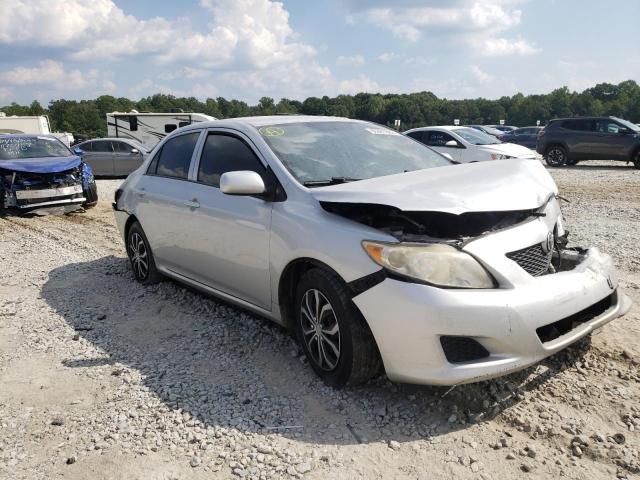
{"points": [[138, 255], [320, 329], [556, 157]]}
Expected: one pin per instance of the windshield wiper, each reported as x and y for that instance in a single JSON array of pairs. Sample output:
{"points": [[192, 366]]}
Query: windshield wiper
{"points": [[331, 181]]}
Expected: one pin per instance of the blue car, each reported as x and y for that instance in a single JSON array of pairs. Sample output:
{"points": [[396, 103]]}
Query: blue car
{"points": [[38, 172]]}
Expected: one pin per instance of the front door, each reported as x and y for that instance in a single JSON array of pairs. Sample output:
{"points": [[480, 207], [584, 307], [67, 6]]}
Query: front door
{"points": [[125, 160], [229, 235]]}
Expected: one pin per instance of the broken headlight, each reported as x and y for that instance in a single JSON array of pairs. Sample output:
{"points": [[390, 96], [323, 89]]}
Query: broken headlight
{"points": [[437, 264]]}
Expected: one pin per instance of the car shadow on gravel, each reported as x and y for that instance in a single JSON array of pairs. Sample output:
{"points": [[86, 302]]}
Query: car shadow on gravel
{"points": [[224, 368], [586, 167]]}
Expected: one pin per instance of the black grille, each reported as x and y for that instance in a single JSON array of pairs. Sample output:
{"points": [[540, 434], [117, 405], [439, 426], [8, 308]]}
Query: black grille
{"points": [[534, 260], [554, 330], [462, 349]]}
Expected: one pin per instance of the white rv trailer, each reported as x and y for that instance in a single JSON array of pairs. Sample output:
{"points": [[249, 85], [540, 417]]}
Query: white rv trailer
{"points": [[37, 124], [149, 128]]}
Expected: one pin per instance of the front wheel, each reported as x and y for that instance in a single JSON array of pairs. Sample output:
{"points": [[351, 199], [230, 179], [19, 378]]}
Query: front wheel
{"points": [[141, 257], [335, 337], [91, 194], [556, 156]]}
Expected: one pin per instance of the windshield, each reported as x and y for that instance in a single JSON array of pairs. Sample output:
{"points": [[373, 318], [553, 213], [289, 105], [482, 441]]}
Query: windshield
{"points": [[629, 125], [476, 137], [346, 151], [16, 148]]}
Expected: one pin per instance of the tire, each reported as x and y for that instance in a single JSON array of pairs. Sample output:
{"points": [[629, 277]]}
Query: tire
{"points": [[138, 250], [636, 160], [556, 156], [91, 194], [340, 348], [571, 162]]}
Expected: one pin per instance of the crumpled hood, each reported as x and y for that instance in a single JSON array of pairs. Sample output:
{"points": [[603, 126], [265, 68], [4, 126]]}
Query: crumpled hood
{"points": [[41, 165], [510, 149], [473, 187]]}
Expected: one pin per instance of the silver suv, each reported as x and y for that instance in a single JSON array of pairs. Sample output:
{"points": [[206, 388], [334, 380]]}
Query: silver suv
{"points": [[374, 249]]}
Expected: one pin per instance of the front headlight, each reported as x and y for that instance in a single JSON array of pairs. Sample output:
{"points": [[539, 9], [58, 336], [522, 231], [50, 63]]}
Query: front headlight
{"points": [[438, 264], [499, 156]]}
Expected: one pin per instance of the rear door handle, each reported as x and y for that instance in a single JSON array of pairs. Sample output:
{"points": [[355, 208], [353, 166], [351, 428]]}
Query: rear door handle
{"points": [[192, 203]]}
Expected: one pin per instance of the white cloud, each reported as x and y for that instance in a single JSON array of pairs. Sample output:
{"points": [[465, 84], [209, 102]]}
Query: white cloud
{"points": [[362, 83], [480, 75], [241, 34], [388, 57], [351, 61], [468, 21], [497, 47]]}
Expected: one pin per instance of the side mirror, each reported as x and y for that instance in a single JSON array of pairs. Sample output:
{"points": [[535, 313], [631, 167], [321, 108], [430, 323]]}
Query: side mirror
{"points": [[243, 182], [78, 151], [452, 143], [135, 150]]}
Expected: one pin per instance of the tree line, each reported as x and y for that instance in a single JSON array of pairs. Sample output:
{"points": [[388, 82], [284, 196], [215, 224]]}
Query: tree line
{"points": [[87, 118]]}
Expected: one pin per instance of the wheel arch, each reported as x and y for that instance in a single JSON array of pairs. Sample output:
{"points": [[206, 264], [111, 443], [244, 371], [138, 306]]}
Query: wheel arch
{"points": [[291, 275]]}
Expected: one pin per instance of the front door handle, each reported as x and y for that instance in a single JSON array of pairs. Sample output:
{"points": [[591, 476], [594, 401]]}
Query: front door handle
{"points": [[192, 203]]}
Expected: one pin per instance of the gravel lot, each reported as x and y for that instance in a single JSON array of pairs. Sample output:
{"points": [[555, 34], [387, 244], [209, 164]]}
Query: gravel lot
{"points": [[103, 378]]}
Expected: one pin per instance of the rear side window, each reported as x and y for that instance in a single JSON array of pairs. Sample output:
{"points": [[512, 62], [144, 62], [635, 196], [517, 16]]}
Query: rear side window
{"points": [[577, 125], [102, 146], [86, 147], [415, 135], [174, 158], [224, 153]]}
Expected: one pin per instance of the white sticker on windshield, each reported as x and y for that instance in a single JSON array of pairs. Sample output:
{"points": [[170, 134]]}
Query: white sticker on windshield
{"points": [[381, 131]]}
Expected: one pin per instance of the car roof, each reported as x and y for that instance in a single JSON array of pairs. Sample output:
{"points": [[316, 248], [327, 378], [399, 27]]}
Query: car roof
{"points": [[261, 121], [450, 128]]}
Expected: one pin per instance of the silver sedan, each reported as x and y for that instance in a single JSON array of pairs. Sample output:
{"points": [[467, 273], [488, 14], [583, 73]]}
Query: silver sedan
{"points": [[373, 249]]}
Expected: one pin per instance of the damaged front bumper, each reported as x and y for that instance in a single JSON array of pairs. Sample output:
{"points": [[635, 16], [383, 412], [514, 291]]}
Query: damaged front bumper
{"points": [[30, 191], [430, 335]]}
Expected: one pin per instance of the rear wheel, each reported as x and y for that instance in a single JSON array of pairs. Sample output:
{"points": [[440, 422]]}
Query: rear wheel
{"points": [[141, 257], [334, 336], [555, 156]]}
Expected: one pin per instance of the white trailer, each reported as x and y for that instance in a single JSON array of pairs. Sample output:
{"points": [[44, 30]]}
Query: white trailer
{"points": [[38, 124], [149, 128]]}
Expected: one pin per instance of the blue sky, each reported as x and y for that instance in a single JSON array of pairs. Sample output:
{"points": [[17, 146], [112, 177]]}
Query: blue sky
{"points": [[246, 49]]}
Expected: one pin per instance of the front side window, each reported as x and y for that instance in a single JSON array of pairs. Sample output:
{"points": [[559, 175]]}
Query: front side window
{"points": [[224, 153], [121, 147], [323, 151], [439, 139], [175, 157], [607, 126]]}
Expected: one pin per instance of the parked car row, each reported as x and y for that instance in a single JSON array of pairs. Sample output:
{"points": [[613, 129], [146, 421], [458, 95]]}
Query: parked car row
{"points": [[466, 145]]}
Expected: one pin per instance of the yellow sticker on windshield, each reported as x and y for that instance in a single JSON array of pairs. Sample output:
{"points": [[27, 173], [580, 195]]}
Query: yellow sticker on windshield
{"points": [[271, 131]]}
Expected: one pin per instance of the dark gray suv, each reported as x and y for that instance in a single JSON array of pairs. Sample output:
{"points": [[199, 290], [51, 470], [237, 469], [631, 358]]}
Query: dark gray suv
{"points": [[566, 141]]}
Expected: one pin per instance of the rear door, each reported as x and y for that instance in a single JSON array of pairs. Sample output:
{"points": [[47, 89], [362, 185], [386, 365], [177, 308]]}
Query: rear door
{"points": [[100, 157], [228, 242], [578, 135], [164, 201], [125, 158]]}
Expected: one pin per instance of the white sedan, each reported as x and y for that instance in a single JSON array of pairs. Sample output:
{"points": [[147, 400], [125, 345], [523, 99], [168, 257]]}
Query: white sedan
{"points": [[466, 145]]}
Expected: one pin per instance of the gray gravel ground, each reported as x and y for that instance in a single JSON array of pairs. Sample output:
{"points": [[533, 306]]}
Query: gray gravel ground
{"points": [[103, 378]]}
